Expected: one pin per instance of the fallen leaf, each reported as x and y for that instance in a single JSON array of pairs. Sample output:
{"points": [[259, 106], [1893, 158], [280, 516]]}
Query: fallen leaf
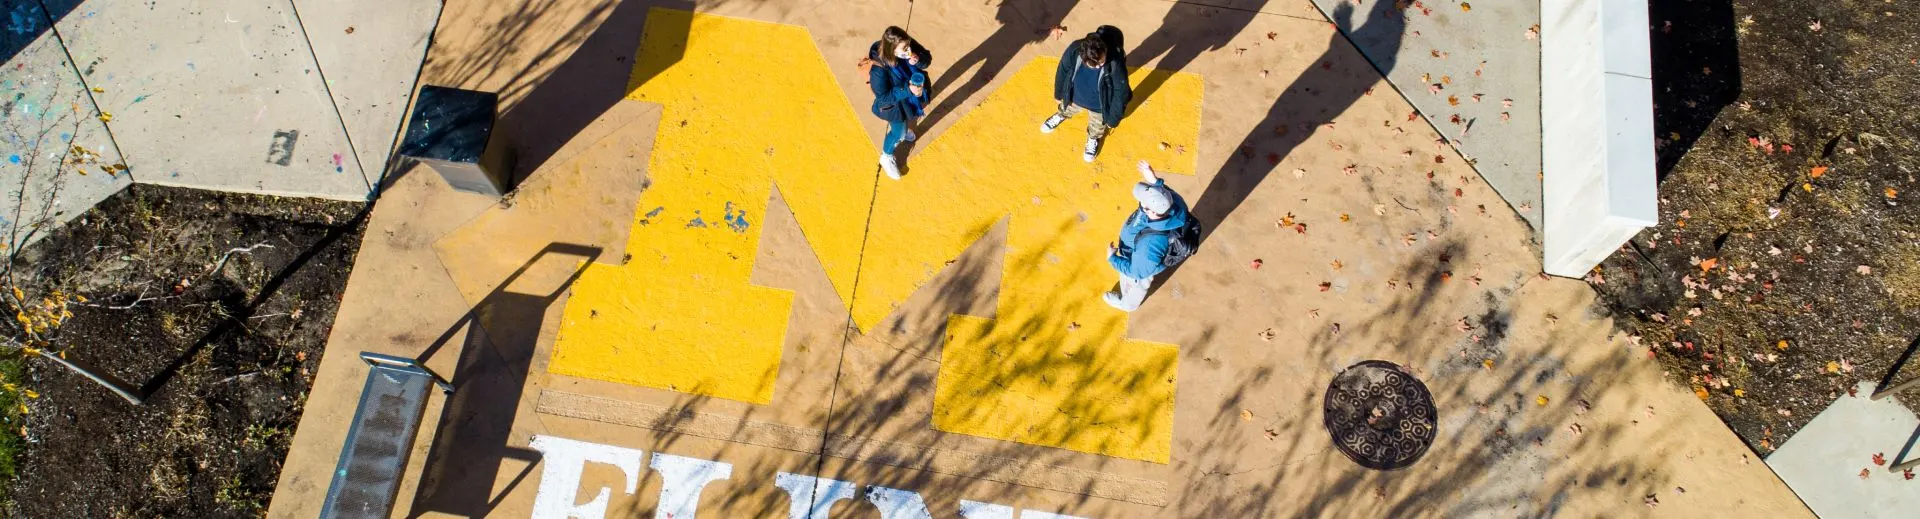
{"points": [[1739, 392], [1246, 415], [1533, 32], [1325, 286], [1464, 7], [1817, 171], [1256, 264], [1286, 221], [1879, 458], [1453, 100], [1865, 472], [1782, 345], [1863, 270], [1344, 217], [1488, 363], [1891, 193], [1708, 264], [1380, 209], [1434, 88], [1542, 400], [1833, 367], [1700, 392], [1908, 473], [1299, 173], [1300, 228]]}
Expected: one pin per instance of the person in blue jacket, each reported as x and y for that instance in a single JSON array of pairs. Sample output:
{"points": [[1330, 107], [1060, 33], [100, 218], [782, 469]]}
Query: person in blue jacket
{"points": [[898, 77], [1092, 78], [1145, 239]]}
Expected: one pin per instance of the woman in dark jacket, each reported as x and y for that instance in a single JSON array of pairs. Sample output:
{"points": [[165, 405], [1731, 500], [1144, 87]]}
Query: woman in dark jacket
{"points": [[899, 78]]}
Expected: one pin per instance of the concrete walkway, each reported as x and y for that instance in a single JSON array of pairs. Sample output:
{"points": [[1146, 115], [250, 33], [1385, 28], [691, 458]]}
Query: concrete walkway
{"points": [[705, 297]]}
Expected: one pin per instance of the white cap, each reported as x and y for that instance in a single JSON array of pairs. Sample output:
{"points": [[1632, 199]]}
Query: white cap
{"points": [[1153, 198]]}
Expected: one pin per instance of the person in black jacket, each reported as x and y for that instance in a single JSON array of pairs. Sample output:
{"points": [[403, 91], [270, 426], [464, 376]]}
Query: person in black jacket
{"points": [[1092, 78], [898, 76]]}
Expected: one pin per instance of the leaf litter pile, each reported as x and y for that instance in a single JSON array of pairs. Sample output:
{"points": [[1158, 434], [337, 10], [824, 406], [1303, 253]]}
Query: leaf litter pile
{"points": [[1786, 264]]}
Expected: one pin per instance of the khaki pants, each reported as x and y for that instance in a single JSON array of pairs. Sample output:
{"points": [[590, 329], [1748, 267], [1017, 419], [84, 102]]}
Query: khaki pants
{"points": [[1132, 292], [1096, 125]]}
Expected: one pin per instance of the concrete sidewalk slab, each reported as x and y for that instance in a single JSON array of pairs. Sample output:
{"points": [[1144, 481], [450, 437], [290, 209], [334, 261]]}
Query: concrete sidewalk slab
{"points": [[1485, 60], [371, 51], [171, 88], [1835, 463], [56, 159], [1374, 244]]}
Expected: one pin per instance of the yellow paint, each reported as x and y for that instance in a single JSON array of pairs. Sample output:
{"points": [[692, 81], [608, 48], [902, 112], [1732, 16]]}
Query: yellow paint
{"points": [[737, 119], [1053, 368]]}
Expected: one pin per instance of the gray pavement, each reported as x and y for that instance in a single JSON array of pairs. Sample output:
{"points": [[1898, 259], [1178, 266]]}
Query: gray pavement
{"points": [[1480, 57], [1830, 463]]}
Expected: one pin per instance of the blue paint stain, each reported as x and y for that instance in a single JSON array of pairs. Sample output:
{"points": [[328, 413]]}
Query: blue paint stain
{"points": [[14, 159], [66, 137], [696, 222], [24, 20], [737, 221], [137, 100], [190, 66]]}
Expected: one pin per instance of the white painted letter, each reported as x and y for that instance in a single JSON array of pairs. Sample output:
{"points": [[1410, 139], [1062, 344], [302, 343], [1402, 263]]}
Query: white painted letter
{"points": [[979, 510], [820, 493], [898, 504], [681, 480], [563, 459]]}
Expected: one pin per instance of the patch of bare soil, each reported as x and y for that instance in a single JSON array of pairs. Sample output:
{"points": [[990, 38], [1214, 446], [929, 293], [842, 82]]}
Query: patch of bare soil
{"points": [[1786, 264], [223, 351]]}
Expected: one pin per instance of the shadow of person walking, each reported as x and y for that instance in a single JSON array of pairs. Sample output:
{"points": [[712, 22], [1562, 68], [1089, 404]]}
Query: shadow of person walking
{"points": [[1327, 88], [1019, 26], [1187, 31]]}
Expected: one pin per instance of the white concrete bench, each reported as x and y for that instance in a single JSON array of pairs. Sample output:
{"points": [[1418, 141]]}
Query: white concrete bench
{"points": [[1596, 108]]}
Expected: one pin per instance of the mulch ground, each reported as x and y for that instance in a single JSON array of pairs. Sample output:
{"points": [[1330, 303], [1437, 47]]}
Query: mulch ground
{"points": [[1785, 267], [226, 351]]}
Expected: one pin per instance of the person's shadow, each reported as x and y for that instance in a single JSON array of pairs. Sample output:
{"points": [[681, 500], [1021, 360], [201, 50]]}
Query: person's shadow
{"points": [[1017, 29], [1187, 31], [1323, 91]]}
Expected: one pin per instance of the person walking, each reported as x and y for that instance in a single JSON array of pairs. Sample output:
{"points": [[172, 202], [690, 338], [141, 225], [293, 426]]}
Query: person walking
{"points": [[1092, 78], [1158, 235], [898, 76]]}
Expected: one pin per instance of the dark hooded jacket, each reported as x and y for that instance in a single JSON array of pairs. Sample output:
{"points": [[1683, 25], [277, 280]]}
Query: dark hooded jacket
{"points": [[1113, 75], [891, 99]]}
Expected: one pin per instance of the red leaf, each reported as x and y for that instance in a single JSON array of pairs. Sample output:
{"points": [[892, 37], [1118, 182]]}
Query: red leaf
{"points": [[1879, 458], [1325, 286]]}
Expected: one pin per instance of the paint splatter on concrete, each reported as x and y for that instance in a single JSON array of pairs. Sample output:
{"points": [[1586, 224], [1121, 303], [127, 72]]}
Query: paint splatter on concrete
{"points": [[281, 150]]}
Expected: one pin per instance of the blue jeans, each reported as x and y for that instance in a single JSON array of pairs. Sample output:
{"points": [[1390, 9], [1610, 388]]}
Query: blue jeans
{"points": [[896, 130]]}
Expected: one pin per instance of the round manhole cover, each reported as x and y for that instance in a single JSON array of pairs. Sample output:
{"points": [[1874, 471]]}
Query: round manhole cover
{"points": [[1380, 416]]}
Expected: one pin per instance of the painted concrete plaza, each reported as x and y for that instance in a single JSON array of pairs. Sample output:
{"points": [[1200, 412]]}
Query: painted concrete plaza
{"points": [[704, 298]]}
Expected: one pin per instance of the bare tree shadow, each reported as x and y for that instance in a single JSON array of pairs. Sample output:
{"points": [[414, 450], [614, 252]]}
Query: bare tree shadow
{"points": [[472, 437], [1186, 32], [598, 74], [1021, 23], [1327, 88], [1696, 72]]}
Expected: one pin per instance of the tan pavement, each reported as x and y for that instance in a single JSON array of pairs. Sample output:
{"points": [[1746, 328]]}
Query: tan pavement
{"points": [[704, 280]]}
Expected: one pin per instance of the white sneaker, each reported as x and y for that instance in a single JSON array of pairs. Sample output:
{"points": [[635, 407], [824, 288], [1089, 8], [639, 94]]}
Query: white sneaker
{"points": [[1113, 300], [890, 165], [910, 136], [1052, 122], [1093, 148]]}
